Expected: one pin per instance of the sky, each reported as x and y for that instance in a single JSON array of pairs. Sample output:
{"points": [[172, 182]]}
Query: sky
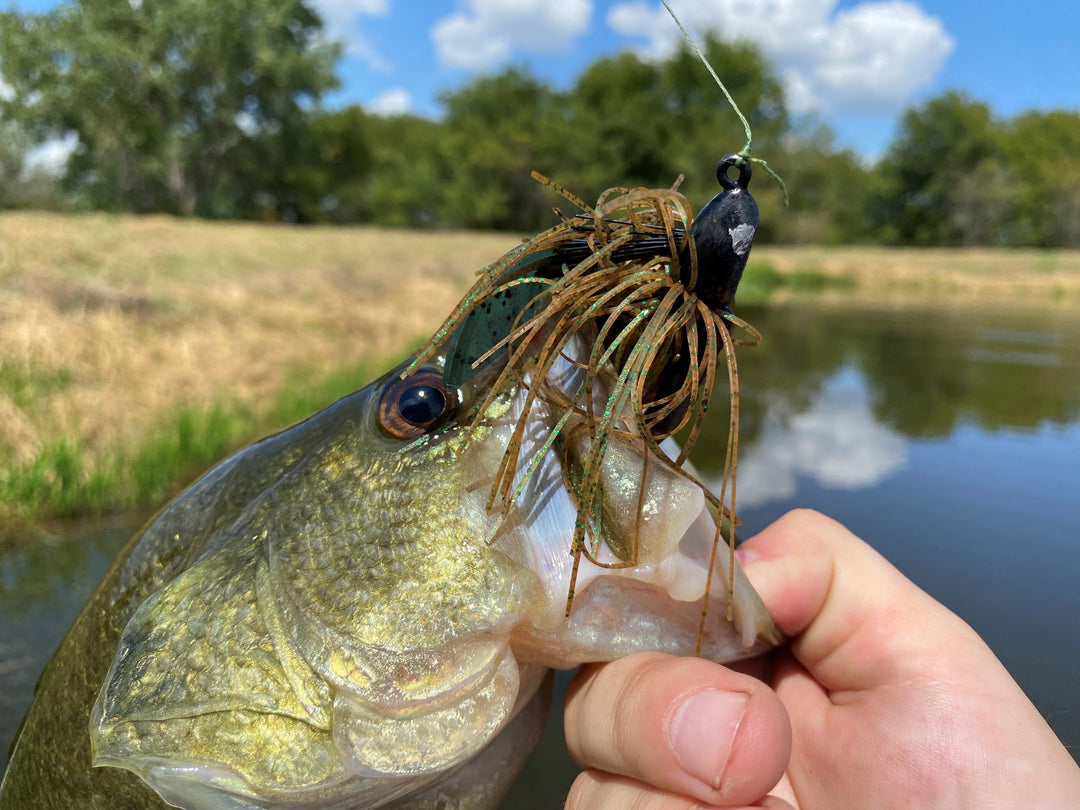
{"points": [[855, 66], [852, 65]]}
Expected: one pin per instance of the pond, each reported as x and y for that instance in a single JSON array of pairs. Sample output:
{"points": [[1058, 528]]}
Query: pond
{"points": [[949, 438]]}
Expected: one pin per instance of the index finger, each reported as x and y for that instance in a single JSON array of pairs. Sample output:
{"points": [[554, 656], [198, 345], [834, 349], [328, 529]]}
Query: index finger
{"points": [[855, 621]]}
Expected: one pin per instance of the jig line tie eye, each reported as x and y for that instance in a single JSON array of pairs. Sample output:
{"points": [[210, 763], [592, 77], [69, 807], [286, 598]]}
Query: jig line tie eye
{"points": [[729, 162]]}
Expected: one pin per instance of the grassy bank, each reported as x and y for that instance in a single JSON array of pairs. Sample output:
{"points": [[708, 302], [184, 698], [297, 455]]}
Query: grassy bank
{"points": [[65, 479], [881, 276], [136, 351]]}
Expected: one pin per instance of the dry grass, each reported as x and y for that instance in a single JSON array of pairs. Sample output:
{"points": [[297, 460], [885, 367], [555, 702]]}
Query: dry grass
{"points": [[109, 325], [907, 276], [139, 315]]}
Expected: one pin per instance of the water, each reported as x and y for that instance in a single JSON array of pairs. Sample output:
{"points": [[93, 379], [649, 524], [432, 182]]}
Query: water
{"points": [[44, 583], [950, 441], [948, 438]]}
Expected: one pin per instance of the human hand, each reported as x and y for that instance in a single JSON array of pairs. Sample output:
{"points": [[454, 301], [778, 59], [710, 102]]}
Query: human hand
{"points": [[893, 702]]}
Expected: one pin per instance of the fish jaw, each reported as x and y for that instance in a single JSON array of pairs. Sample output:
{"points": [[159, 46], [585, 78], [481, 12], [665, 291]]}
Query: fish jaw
{"points": [[660, 577], [660, 603]]}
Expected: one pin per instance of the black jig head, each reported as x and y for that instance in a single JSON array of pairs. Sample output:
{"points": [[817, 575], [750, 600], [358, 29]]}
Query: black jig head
{"points": [[723, 235]]}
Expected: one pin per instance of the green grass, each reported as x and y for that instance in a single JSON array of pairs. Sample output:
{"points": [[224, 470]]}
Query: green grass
{"points": [[1047, 261], [758, 282], [113, 323], [814, 281], [179, 450], [57, 481], [60, 482], [301, 396], [761, 280], [26, 386]]}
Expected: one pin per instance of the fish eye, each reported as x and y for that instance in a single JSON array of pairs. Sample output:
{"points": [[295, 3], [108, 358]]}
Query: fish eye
{"points": [[414, 406]]}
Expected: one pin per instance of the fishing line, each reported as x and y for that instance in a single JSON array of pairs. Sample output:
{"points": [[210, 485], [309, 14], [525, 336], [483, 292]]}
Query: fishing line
{"points": [[744, 153]]}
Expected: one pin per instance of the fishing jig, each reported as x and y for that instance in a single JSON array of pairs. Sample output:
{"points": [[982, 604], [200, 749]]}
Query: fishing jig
{"points": [[650, 288]]}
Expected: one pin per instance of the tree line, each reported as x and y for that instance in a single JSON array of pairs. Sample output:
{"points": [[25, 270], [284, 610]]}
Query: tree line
{"points": [[212, 108]]}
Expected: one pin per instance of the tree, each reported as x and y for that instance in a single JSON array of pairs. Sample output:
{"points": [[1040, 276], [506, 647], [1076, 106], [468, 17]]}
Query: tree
{"points": [[625, 122], [702, 127], [956, 176], [939, 144], [495, 132], [1042, 150], [830, 190], [23, 184], [324, 167], [169, 98], [643, 123], [411, 165], [620, 127], [13, 146]]}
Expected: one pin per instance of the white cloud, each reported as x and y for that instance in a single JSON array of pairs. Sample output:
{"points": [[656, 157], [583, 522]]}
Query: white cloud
{"points": [[342, 17], [395, 101], [837, 442], [485, 34], [50, 157], [866, 59]]}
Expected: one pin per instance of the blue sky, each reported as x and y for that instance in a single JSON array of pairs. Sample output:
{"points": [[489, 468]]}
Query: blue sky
{"points": [[854, 65]]}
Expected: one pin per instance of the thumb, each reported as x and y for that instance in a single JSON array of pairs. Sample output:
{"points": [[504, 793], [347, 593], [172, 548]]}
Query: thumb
{"points": [[684, 726]]}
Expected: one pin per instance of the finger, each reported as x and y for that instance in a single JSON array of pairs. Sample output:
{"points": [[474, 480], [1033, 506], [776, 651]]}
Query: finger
{"points": [[890, 692], [596, 790], [856, 622], [684, 725]]}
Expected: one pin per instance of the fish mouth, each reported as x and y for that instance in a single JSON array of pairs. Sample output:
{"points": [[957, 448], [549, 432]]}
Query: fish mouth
{"points": [[650, 580], [666, 601], [681, 580]]}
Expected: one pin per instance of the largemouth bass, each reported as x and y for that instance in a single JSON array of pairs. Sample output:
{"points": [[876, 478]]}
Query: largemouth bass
{"points": [[331, 618]]}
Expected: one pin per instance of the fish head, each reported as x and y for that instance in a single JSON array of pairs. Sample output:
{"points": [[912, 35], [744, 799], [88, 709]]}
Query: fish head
{"points": [[354, 619]]}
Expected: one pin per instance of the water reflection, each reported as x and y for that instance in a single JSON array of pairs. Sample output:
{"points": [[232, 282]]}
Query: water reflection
{"points": [[948, 438], [836, 441]]}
